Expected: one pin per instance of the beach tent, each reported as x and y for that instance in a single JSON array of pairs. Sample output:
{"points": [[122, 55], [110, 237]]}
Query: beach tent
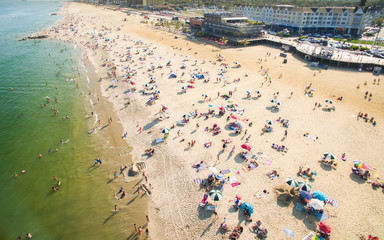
{"points": [[325, 228], [247, 206], [173, 75], [320, 195], [316, 204]]}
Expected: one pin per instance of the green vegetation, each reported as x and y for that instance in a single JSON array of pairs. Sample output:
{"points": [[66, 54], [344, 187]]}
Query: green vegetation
{"points": [[301, 3]]}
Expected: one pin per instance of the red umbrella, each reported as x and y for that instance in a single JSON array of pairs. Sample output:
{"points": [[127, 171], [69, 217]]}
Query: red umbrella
{"points": [[324, 228], [222, 109], [238, 197], [246, 146]]}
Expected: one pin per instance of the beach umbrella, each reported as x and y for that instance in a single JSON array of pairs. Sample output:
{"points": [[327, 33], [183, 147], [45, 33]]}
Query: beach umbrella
{"points": [[305, 195], [305, 186], [184, 87], [329, 155], [165, 130], [328, 101], [222, 108], [219, 176], [320, 195], [157, 91], [362, 165], [325, 228], [246, 146], [273, 100], [146, 85], [238, 197], [186, 115], [216, 195], [292, 182], [316, 204], [248, 92], [204, 95], [152, 78], [269, 122], [289, 232], [278, 103], [258, 92], [247, 206]]}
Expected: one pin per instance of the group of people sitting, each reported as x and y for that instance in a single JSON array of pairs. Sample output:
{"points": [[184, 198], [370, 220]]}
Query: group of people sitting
{"points": [[306, 172], [267, 128], [236, 232], [366, 119], [261, 232], [273, 174], [150, 152], [364, 174], [279, 148]]}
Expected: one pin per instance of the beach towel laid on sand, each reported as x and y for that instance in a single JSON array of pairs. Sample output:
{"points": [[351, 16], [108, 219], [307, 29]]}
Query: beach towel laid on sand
{"points": [[321, 216], [232, 179], [310, 236], [201, 167], [333, 202], [228, 175], [235, 184], [213, 169], [245, 169], [252, 166], [260, 194], [198, 180], [268, 162], [225, 171]]}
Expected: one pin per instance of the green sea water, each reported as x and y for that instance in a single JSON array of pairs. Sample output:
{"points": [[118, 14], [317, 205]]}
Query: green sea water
{"points": [[30, 72]]}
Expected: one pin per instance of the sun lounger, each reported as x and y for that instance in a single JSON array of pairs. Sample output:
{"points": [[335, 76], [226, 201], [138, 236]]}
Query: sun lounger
{"points": [[181, 123]]}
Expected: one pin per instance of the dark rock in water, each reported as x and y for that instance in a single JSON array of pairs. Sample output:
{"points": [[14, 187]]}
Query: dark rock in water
{"points": [[53, 14], [35, 37]]}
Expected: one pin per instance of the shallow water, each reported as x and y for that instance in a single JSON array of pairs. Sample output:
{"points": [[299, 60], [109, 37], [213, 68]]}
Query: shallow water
{"points": [[31, 71]]}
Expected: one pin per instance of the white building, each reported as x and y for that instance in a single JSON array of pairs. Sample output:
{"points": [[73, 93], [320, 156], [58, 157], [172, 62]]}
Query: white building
{"points": [[311, 19]]}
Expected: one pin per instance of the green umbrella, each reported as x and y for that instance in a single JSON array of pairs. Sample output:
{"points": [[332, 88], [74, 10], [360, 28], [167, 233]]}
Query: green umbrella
{"points": [[329, 155], [165, 130], [305, 186], [292, 182], [216, 195]]}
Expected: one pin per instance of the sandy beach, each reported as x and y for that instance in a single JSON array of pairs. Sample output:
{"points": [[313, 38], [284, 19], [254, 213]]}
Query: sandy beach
{"points": [[119, 49]]}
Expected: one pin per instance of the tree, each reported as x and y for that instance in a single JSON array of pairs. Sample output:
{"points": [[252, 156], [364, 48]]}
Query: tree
{"points": [[245, 42], [224, 40]]}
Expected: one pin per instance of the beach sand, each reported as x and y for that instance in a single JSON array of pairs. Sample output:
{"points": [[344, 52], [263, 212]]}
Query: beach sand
{"points": [[174, 203]]}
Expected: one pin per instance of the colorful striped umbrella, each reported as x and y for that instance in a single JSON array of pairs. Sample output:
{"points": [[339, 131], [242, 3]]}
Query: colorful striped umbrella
{"points": [[362, 165]]}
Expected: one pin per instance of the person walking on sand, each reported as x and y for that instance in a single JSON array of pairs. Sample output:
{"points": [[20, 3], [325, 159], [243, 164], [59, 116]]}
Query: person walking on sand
{"points": [[286, 133], [116, 208], [140, 229], [135, 227], [146, 216]]}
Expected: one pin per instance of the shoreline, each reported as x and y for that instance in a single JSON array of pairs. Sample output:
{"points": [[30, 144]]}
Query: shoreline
{"points": [[115, 150], [173, 206]]}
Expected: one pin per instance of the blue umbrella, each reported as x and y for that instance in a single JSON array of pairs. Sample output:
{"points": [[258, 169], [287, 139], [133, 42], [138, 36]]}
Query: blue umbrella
{"points": [[305, 195], [320, 195], [248, 206], [248, 92]]}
